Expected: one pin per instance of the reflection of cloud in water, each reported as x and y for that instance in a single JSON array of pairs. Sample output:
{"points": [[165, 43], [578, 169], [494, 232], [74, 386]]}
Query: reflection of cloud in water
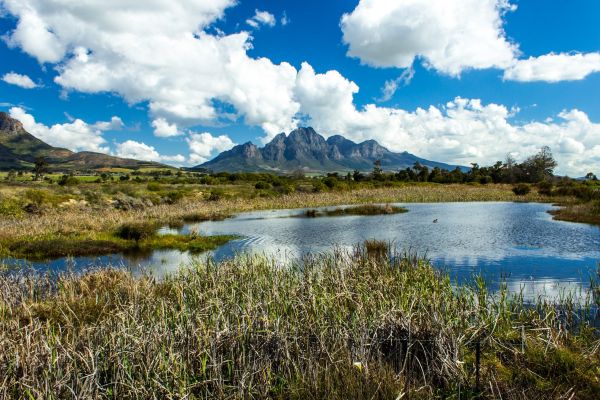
{"points": [[550, 289]]}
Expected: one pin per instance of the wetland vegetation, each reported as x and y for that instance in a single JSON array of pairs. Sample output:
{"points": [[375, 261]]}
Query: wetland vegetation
{"points": [[363, 324], [357, 324]]}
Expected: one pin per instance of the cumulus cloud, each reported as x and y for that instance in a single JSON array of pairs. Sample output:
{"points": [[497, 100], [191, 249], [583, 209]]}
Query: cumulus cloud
{"points": [[136, 50], [142, 151], [189, 76], [554, 67], [262, 18], [449, 35], [76, 135], [162, 128], [458, 132], [115, 124], [204, 145], [19, 80]]}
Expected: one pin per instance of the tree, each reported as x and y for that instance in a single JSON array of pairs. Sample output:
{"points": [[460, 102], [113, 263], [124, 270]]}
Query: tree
{"points": [[377, 170], [40, 168], [591, 177], [541, 166], [421, 172]]}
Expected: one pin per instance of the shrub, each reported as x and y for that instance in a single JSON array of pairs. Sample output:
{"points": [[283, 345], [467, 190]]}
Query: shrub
{"points": [[521, 189], [262, 185], [153, 186], [174, 196], [319, 186], [68, 180], [545, 188], [136, 231], [330, 182], [10, 207], [216, 195], [37, 197]]}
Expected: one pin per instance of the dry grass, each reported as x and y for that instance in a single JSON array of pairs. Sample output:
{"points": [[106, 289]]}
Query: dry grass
{"points": [[342, 326], [579, 212]]}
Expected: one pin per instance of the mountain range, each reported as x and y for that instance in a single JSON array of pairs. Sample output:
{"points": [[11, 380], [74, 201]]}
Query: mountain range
{"points": [[304, 149], [19, 150]]}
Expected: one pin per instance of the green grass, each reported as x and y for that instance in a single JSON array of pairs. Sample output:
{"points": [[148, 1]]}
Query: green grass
{"points": [[127, 238], [331, 326]]}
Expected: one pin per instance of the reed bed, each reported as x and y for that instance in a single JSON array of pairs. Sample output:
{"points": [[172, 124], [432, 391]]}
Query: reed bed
{"points": [[343, 325]]}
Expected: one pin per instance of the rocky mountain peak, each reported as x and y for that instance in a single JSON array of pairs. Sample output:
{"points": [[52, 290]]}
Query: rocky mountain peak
{"points": [[305, 149], [9, 124]]}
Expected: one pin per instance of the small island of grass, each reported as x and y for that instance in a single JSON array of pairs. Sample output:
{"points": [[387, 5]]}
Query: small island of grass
{"points": [[364, 209], [127, 238]]}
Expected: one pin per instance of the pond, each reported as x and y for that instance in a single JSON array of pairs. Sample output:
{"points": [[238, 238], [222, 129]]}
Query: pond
{"points": [[516, 243]]}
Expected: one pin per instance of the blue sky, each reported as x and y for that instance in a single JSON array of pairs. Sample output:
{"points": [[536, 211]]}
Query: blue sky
{"points": [[179, 81]]}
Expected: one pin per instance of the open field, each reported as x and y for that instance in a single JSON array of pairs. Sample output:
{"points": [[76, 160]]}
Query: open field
{"points": [[348, 325]]}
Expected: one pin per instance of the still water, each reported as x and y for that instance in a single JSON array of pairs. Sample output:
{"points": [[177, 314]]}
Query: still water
{"points": [[517, 243]]}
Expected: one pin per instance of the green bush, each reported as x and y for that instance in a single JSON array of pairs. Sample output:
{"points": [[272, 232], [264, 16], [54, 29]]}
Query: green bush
{"points": [[262, 185], [216, 195], [174, 196], [545, 188], [136, 231], [68, 180], [319, 186], [10, 207], [521, 189], [153, 186], [37, 197]]}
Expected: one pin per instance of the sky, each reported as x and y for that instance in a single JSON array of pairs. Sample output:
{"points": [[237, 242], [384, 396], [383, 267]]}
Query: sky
{"points": [[178, 81]]}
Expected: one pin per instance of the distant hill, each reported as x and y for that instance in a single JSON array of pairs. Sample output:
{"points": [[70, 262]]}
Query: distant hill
{"points": [[19, 149], [306, 150]]}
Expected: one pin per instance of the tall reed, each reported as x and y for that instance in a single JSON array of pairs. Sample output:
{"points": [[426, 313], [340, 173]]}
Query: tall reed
{"points": [[345, 324]]}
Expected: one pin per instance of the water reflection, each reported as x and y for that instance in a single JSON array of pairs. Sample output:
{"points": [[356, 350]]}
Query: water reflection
{"points": [[515, 242]]}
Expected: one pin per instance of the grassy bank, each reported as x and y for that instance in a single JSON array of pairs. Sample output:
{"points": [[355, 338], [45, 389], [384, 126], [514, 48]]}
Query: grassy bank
{"points": [[588, 213], [363, 209], [39, 249], [344, 326]]}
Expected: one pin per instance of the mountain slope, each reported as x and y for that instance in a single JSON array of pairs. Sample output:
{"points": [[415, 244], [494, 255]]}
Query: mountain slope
{"points": [[305, 149], [19, 150]]}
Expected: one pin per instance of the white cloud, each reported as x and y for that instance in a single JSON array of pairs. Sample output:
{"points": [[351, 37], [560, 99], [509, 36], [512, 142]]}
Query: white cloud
{"points": [[458, 132], [186, 75], [76, 135], [448, 35], [554, 67], [204, 145], [390, 87], [261, 18], [115, 124], [136, 50], [163, 128], [285, 20], [142, 151], [19, 80]]}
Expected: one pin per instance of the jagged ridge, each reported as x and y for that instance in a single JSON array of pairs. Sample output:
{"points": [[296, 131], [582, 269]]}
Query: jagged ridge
{"points": [[305, 149]]}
